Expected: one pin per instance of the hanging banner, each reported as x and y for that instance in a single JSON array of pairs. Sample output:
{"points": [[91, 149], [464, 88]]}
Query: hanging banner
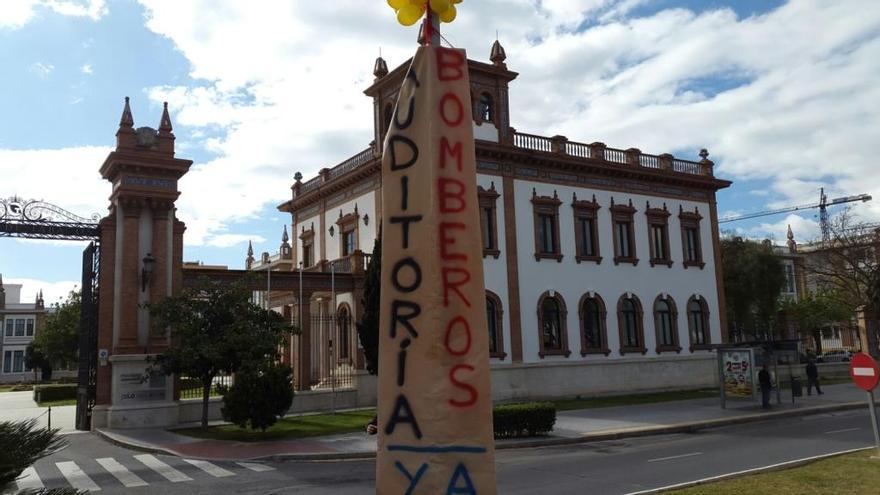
{"points": [[435, 405]]}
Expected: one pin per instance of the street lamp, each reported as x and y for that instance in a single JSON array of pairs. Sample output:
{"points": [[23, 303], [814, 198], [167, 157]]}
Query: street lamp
{"points": [[147, 271]]}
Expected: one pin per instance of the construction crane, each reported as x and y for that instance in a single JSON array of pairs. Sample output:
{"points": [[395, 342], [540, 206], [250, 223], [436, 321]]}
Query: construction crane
{"points": [[823, 205]]}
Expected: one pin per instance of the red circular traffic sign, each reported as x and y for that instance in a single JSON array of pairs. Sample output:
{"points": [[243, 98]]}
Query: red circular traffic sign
{"points": [[864, 371]]}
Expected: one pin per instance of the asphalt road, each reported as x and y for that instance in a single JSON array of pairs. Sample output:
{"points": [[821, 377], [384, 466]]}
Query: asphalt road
{"points": [[615, 467]]}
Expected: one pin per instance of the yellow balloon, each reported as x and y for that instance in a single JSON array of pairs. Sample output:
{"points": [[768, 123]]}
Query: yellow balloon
{"points": [[409, 15], [419, 3], [440, 6], [448, 15], [456, 1], [398, 4]]}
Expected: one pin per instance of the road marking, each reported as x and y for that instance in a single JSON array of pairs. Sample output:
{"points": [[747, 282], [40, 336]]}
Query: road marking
{"points": [[863, 371], [76, 477], [160, 467], [213, 470], [29, 479], [120, 472], [682, 456], [841, 431], [736, 474], [253, 466]]}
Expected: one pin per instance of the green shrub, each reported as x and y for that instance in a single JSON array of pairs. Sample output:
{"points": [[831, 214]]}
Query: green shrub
{"points": [[529, 419], [46, 393], [259, 396]]}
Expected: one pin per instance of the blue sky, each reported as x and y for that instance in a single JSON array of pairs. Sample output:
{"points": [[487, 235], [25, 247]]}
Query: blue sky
{"points": [[782, 94]]}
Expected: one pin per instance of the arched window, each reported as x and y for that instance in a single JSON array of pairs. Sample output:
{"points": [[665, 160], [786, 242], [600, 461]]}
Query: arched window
{"points": [[494, 323], [553, 336], [629, 325], [594, 337], [343, 333], [486, 108], [665, 324], [698, 323]]}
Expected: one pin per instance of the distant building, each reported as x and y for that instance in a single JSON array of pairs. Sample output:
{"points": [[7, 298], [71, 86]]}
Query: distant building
{"points": [[20, 323]]}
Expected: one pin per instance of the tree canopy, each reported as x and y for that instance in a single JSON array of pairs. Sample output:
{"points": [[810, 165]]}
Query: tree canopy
{"points": [[813, 312], [753, 280], [57, 342], [216, 329]]}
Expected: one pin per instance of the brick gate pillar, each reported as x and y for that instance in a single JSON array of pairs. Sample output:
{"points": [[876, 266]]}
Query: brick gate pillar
{"points": [[141, 259]]}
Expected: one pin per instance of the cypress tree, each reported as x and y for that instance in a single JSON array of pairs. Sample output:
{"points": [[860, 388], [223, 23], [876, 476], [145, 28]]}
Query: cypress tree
{"points": [[368, 328]]}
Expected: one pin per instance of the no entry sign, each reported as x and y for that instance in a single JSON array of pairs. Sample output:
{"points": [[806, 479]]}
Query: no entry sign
{"points": [[864, 372]]}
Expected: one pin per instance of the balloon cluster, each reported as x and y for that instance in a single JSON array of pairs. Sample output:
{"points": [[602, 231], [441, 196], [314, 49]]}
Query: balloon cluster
{"points": [[410, 11]]}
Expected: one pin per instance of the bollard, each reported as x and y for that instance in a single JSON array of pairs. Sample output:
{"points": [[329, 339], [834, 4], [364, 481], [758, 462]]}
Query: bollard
{"points": [[50, 417]]}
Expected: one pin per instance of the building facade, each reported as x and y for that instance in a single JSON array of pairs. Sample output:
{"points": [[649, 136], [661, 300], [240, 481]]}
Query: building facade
{"points": [[20, 324], [601, 264]]}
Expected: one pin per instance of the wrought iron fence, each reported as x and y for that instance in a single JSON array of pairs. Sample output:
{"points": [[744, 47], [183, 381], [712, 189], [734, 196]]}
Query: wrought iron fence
{"points": [[333, 352], [191, 388]]}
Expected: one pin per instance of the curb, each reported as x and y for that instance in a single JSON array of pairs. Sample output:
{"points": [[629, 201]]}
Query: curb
{"points": [[528, 444]]}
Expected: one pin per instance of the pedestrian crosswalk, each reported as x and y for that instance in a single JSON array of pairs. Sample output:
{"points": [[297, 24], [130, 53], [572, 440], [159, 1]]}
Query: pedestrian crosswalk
{"points": [[129, 472]]}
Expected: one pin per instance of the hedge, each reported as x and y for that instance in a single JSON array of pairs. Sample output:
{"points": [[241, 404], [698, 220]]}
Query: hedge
{"points": [[528, 419], [46, 393]]}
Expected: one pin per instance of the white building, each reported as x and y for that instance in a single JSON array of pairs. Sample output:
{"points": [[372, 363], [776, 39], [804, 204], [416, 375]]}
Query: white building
{"points": [[20, 322], [601, 264]]}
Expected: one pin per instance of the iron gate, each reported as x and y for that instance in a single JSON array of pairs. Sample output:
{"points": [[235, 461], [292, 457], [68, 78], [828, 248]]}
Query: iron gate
{"points": [[88, 339]]}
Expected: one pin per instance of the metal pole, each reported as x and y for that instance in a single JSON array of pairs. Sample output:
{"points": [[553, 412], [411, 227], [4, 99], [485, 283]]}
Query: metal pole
{"points": [[332, 334], [874, 420], [300, 322], [50, 419]]}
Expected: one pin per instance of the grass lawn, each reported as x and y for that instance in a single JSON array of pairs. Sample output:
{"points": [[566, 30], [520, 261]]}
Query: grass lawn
{"points": [[853, 474], [289, 428], [629, 400], [56, 403], [331, 424]]}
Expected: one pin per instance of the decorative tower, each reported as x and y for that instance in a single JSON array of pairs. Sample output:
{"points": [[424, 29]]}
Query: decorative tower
{"points": [[792, 245], [285, 251], [141, 260], [249, 261], [498, 55]]}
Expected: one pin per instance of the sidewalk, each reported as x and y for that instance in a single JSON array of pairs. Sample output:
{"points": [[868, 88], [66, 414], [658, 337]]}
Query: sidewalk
{"points": [[571, 427], [20, 406]]}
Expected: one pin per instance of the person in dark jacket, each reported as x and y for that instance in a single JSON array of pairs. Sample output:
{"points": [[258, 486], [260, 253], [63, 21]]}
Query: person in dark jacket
{"points": [[812, 378], [373, 426], [766, 385]]}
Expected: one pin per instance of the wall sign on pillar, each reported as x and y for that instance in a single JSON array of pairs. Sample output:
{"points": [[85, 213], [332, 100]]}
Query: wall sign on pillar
{"points": [[434, 406]]}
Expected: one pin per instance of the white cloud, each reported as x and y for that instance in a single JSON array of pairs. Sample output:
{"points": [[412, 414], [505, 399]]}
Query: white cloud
{"points": [[279, 88], [86, 69], [53, 292], [16, 13], [230, 240], [66, 177], [804, 230], [43, 70]]}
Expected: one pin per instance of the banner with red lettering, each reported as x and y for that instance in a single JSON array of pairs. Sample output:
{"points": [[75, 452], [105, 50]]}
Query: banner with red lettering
{"points": [[435, 404]]}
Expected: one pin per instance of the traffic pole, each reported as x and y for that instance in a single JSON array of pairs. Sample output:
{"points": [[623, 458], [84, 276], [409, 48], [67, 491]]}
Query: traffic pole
{"points": [[874, 420]]}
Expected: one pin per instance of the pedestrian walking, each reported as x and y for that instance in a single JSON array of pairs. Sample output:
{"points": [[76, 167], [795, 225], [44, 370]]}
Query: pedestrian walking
{"points": [[766, 384], [812, 378]]}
